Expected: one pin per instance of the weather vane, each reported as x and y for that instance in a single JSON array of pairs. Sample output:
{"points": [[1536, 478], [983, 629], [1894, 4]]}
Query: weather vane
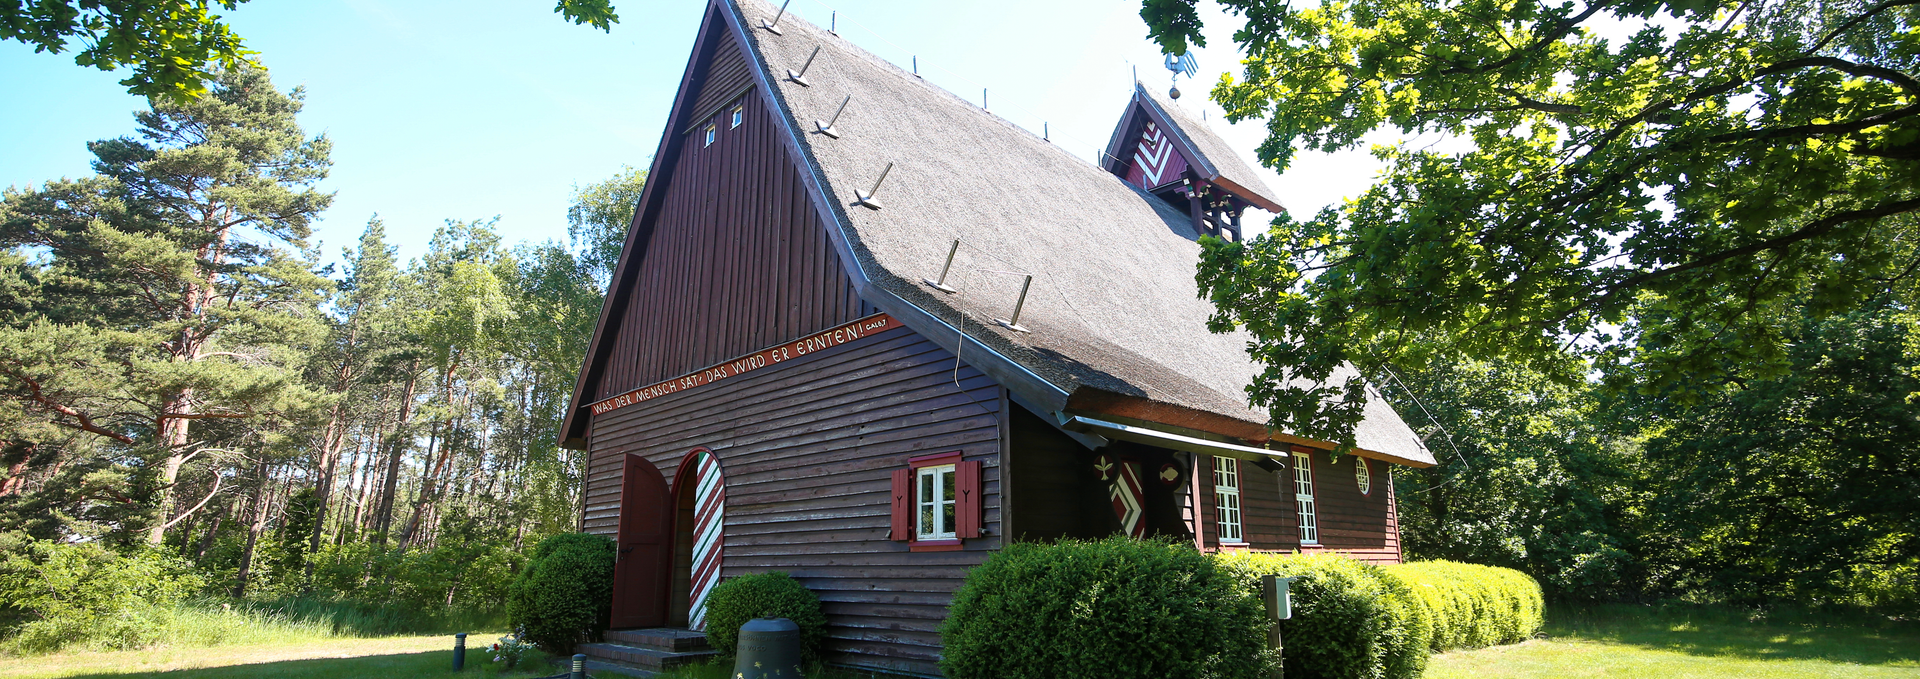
{"points": [[1181, 63]]}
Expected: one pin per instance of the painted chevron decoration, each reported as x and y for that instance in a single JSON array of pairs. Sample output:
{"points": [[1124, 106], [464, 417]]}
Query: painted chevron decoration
{"points": [[1155, 161], [710, 500], [1129, 500]]}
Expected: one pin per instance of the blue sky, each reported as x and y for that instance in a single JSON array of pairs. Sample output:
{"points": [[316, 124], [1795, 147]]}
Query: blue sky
{"points": [[474, 109]]}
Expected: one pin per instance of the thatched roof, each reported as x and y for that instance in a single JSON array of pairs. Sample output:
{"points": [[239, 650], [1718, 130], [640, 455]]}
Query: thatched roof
{"points": [[1115, 317]]}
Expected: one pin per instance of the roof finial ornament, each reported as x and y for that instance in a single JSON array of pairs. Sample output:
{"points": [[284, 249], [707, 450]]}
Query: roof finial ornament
{"points": [[801, 76], [774, 27], [866, 199], [1181, 63], [826, 128]]}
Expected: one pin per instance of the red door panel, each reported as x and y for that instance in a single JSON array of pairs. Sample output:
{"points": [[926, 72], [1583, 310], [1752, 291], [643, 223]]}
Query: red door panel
{"points": [[640, 576]]}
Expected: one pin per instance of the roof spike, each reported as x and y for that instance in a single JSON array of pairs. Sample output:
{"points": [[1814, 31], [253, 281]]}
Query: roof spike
{"points": [[1046, 132], [983, 98], [1014, 323], [916, 65], [826, 128], [866, 199], [801, 76], [774, 27], [833, 23], [941, 284]]}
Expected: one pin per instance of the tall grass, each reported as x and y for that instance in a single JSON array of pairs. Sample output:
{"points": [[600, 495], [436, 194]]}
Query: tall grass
{"points": [[214, 622]]}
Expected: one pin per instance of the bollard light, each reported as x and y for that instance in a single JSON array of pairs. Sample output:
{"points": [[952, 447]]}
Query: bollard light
{"points": [[459, 651], [579, 667]]}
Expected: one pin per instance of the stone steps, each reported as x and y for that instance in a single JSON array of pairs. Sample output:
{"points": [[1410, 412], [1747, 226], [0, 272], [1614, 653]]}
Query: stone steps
{"points": [[644, 652]]}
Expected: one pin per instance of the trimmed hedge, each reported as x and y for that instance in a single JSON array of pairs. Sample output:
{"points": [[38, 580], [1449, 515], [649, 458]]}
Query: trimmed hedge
{"points": [[1474, 606], [1349, 618], [1115, 608], [564, 595], [772, 594]]}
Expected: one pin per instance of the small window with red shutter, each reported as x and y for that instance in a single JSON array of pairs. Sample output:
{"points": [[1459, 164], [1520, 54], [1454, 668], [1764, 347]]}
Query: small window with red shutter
{"points": [[936, 502]]}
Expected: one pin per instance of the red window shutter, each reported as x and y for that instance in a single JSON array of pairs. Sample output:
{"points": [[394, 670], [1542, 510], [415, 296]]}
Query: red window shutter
{"points": [[902, 505], [966, 504]]}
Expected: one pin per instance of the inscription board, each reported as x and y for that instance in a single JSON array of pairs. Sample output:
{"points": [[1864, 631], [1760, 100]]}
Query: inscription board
{"points": [[825, 339]]}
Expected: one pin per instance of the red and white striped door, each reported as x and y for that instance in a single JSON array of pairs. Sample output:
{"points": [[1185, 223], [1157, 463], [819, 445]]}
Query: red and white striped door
{"points": [[709, 501]]}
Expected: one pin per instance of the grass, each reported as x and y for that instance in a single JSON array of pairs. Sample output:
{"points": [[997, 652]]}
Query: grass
{"points": [[1684, 642], [411, 657]]}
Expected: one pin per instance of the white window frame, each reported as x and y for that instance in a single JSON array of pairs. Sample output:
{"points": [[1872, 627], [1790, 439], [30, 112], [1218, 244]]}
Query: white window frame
{"points": [[738, 114], [1362, 475], [1303, 498], [930, 522], [1226, 500], [713, 131]]}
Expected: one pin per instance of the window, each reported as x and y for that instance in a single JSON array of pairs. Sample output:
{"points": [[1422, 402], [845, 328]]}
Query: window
{"points": [[737, 115], [1226, 497], [1362, 475], [1303, 496], [711, 130], [935, 497], [936, 502]]}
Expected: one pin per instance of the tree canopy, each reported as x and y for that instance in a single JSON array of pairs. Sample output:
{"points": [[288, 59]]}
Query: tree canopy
{"points": [[1668, 200]]}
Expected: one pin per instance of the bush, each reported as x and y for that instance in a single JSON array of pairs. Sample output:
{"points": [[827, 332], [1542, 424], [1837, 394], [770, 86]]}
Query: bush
{"points": [[1349, 619], [563, 596], [1113, 608], [764, 595], [54, 595], [1474, 606]]}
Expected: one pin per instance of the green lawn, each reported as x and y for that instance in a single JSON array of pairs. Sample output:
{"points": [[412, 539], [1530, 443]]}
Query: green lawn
{"points": [[1687, 642], [402, 657], [1608, 641]]}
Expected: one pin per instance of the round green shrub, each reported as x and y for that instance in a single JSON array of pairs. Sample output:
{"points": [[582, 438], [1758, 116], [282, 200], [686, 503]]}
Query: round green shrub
{"points": [[563, 596], [1349, 618], [1114, 608], [764, 595], [1474, 606]]}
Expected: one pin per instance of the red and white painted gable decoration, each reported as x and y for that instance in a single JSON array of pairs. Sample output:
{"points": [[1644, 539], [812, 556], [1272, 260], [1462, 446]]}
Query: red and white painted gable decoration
{"points": [[709, 502], [1155, 161], [1128, 496]]}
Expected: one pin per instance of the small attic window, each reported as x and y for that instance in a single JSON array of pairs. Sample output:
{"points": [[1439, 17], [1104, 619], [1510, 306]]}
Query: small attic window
{"points": [[738, 113], [711, 133]]}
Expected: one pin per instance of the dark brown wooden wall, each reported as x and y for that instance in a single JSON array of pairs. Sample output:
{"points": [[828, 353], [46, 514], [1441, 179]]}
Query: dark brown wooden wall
{"points": [[1365, 527], [737, 259], [806, 449]]}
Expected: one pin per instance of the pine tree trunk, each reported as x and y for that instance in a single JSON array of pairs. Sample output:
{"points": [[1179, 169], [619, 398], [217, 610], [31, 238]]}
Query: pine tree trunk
{"points": [[383, 517], [261, 498]]}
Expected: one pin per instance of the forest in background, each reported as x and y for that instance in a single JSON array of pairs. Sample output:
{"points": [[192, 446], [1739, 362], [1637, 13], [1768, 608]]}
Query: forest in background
{"points": [[182, 379], [192, 406]]}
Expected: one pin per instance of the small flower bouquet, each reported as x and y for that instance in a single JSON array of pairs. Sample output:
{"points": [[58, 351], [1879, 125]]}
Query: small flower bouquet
{"points": [[510, 650]]}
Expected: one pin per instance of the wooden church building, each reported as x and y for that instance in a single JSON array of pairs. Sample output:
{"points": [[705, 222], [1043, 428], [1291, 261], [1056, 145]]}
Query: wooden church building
{"points": [[865, 332]]}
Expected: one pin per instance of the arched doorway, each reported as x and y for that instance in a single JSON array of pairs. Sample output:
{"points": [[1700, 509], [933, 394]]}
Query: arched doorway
{"points": [[700, 499], [640, 583]]}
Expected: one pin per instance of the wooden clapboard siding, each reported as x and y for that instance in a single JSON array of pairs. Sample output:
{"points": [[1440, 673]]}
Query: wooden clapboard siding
{"points": [[807, 448], [735, 257], [1365, 527]]}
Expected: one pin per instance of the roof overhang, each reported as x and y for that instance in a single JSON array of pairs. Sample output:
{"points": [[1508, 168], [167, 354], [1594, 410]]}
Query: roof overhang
{"points": [[1169, 440]]}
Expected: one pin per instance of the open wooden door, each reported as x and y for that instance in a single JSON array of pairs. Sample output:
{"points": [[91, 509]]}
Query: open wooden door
{"points": [[641, 575]]}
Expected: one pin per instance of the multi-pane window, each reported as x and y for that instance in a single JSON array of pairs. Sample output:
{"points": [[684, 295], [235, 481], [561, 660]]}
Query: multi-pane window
{"points": [[711, 133], [1362, 475], [935, 503], [737, 115], [1303, 496], [1226, 497]]}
